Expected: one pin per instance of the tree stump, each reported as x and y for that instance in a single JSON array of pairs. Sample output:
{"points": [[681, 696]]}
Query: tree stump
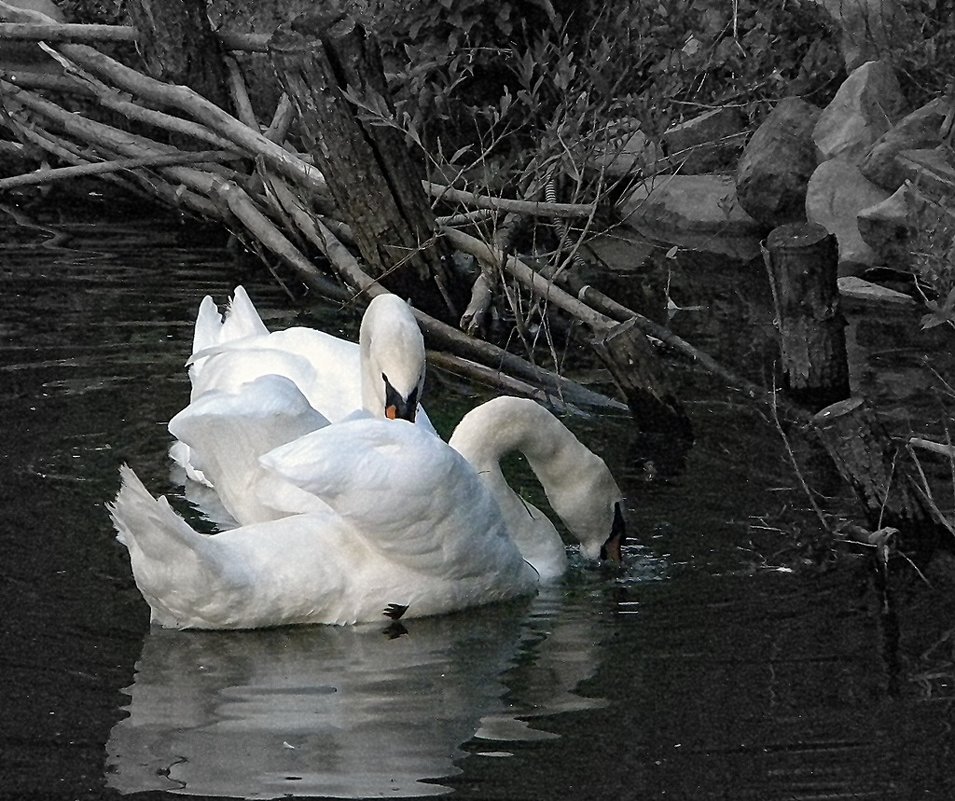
{"points": [[629, 356], [867, 460], [802, 262], [177, 45], [331, 68]]}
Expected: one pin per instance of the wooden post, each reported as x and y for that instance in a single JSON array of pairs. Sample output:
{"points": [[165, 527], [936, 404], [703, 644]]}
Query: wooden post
{"points": [[629, 356], [177, 46], [326, 61], [868, 461], [802, 261]]}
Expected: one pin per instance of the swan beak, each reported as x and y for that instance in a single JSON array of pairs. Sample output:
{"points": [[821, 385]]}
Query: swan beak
{"points": [[397, 407], [613, 547]]}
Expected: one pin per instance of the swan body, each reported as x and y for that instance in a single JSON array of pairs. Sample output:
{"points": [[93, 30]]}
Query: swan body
{"points": [[410, 529], [382, 375]]}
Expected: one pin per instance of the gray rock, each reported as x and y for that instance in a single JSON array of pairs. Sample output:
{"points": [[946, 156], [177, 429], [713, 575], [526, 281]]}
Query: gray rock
{"points": [[836, 194], [868, 104], [775, 167], [707, 142], [920, 129], [695, 211], [854, 288], [628, 151]]}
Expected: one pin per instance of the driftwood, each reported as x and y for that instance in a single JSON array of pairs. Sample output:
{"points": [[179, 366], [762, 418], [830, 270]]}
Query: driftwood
{"points": [[56, 33]]}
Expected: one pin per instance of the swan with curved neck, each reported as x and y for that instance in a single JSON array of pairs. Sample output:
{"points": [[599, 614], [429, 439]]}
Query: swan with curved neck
{"points": [[577, 483], [383, 374], [401, 522]]}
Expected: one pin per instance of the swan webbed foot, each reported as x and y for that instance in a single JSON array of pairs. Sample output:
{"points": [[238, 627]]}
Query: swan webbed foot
{"points": [[395, 611]]}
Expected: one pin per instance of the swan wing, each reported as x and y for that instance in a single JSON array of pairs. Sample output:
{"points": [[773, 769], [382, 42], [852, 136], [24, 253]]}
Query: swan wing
{"points": [[408, 494], [226, 433]]}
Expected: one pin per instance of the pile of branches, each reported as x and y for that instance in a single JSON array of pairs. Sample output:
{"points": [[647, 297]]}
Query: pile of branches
{"points": [[173, 144]]}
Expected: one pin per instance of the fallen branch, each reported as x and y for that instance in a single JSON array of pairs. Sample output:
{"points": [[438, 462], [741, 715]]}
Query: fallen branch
{"points": [[102, 167], [200, 109], [531, 207], [934, 447], [529, 277]]}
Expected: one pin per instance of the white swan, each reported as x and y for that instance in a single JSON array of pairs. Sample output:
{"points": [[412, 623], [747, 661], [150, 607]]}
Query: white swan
{"points": [[411, 524], [382, 375]]}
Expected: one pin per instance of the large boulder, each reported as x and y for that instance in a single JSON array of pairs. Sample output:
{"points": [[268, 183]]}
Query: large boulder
{"points": [[867, 104], [918, 130], [836, 194], [695, 211], [707, 142], [774, 169]]}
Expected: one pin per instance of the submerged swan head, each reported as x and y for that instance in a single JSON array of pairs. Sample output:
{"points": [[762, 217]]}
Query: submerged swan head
{"points": [[392, 359], [577, 482]]}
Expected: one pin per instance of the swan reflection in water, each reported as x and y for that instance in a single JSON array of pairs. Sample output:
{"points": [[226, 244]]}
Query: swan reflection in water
{"points": [[345, 712]]}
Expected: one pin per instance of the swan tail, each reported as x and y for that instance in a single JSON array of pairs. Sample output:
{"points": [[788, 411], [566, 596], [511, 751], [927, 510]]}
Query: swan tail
{"points": [[208, 325], [241, 318], [179, 572]]}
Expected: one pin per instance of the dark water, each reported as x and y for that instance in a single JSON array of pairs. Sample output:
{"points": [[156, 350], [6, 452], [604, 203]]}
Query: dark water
{"points": [[709, 668]]}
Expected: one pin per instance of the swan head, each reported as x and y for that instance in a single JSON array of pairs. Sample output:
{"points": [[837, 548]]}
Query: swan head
{"points": [[591, 506], [392, 359]]}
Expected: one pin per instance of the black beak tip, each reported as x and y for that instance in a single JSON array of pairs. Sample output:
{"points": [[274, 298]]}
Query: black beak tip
{"points": [[612, 549]]}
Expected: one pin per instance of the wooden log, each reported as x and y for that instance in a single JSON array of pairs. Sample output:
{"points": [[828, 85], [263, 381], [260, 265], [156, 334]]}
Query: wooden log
{"points": [[177, 46], [801, 260], [634, 366], [48, 176], [868, 460], [327, 63]]}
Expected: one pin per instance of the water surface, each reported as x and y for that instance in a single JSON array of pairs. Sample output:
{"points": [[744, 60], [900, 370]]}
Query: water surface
{"points": [[708, 668]]}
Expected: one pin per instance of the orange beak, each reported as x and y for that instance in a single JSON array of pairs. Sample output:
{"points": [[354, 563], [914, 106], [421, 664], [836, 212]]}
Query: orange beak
{"points": [[391, 412]]}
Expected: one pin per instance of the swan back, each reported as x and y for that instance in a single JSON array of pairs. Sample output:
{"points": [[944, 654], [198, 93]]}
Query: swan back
{"points": [[576, 481]]}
